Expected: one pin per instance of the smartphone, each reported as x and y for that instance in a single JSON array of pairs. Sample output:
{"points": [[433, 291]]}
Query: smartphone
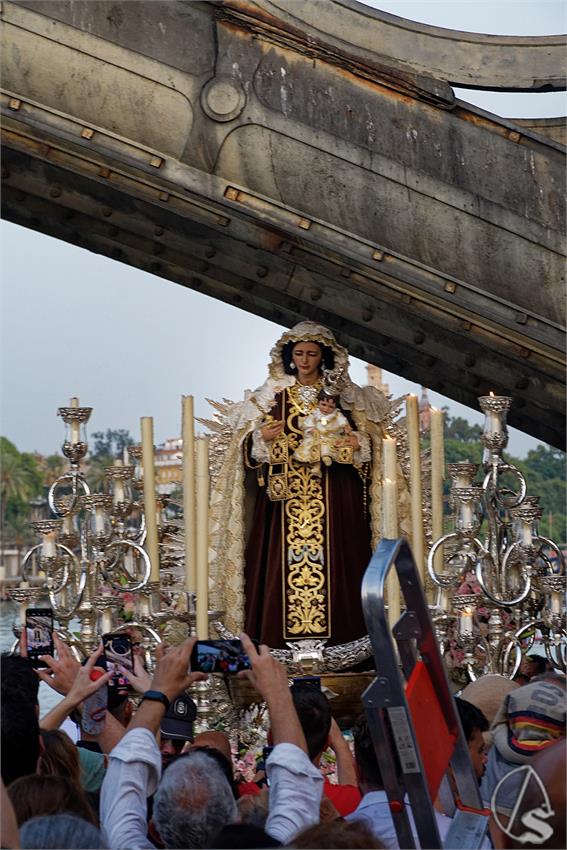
{"points": [[307, 682], [39, 634], [118, 651], [219, 656]]}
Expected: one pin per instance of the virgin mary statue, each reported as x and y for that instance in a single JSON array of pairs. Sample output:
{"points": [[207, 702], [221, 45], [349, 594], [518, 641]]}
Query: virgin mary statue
{"points": [[290, 541]]}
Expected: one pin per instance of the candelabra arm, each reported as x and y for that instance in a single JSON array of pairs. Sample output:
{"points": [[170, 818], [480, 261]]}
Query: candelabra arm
{"points": [[76, 477], [82, 571], [546, 542], [501, 603], [492, 477], [140, 585], [441, 581], [26, 560]]}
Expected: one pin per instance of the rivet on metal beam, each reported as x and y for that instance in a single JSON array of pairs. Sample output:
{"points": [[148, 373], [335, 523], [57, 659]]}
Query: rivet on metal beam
{"points": [[304, 223], [315, 294], [87, 133], [450, 286], [407, 299], [261, 271], [231, 194], [419, 338], [466, 325], [14, 103], [378, 255], [524, 352], [164, 196], [521, 318], [104, 172], [210, 252], [367, 315], [158, 231], [107, 212], [345, 272], [223, 220], [514, 136], [55, 192], [156, 161]]}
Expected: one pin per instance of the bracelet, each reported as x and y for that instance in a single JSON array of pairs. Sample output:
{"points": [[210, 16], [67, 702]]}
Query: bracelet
{"points": [[156, 696]]}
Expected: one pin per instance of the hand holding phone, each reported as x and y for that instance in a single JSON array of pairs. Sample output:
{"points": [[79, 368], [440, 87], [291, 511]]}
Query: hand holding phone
{"points": [[219, 656], [39, 634], [118, 654]]}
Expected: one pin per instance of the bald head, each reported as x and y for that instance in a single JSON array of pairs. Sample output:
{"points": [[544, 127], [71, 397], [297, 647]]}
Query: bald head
{"points": [[217, 740]]}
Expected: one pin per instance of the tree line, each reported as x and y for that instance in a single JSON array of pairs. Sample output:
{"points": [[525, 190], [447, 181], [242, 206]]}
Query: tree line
{"points": [[27, 476]]}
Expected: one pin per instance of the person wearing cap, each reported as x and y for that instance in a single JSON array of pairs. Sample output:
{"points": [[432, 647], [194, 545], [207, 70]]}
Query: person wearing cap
{"points": [[531, 718], [176, 728]]}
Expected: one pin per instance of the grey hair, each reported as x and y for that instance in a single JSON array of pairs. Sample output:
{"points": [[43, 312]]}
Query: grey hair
{"points": [[193, 802], [67, 832]]}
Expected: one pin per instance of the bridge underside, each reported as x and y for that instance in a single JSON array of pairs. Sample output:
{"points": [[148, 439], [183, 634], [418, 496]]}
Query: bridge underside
{"points": [[222, 147]]}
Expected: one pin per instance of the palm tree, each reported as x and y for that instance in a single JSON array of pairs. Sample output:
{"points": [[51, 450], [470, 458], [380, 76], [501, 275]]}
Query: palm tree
{"points": [[15, 483]]}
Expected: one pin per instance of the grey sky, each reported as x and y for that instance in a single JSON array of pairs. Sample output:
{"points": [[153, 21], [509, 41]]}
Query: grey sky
{"points": [[130, 344]]}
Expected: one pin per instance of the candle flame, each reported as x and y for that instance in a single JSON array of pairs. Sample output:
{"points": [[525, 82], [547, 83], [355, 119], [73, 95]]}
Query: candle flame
{"points": [[491, 393]]}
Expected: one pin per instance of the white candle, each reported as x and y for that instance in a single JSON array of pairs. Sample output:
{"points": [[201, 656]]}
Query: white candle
{"points": [[442, 599], [389, 459], [189, 484], [117, 487], [48, 545], [437, 476], [527, 532], [466, 510], [99, 520], [556, 602], [202, 478], [23, 605], [75, 431], [152, 546], [466, 622], [389, 509], [106, 615], [144, 605], [67, 527], [412, 423]]}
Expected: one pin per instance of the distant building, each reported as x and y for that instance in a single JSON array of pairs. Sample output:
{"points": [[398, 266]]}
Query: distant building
{"points": [[375, 378], [169, 465], [424, 410]]}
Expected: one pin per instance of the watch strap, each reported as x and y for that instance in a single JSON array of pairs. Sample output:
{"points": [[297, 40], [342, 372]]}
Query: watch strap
{"points": [[156, 696]]}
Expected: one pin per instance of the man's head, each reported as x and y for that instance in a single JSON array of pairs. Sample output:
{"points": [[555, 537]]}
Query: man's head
{"points": [[177, 727], [314, 712], [367, 767], [533, 665], [474, 723], [193, 802]]}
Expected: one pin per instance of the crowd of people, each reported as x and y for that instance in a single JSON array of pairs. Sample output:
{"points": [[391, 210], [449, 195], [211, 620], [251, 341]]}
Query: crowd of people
{"points": [[146, 781]]}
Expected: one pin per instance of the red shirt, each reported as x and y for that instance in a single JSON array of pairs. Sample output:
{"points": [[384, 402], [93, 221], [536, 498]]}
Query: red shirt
{"points": [[345, 798]]}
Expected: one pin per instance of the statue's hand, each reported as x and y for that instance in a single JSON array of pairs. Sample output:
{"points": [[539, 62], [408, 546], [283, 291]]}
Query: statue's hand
{"points": [[349, 440], [272, 431]]}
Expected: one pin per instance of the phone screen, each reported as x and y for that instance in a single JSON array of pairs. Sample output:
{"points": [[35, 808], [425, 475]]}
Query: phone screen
{"points": [[117, 654], [219, 656], [39, 634]]}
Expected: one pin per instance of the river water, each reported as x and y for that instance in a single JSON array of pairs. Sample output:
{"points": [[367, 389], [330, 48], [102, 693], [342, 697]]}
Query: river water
{"points": [[48, 698]]}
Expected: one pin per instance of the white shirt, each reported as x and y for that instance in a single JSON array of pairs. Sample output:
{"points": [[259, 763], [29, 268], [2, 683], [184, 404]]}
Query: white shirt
{"points": [[134, 771], [374, 810]]}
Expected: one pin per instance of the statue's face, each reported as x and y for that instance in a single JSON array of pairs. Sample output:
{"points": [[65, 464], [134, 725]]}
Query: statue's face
{"points": [[307, 358]]}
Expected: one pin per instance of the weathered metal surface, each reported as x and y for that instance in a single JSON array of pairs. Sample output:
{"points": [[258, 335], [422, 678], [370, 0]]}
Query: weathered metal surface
{"points": [[223, 147]]}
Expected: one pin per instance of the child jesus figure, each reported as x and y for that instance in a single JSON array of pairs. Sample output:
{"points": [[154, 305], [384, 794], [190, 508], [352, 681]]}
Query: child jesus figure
{"points": [[322, 429]]}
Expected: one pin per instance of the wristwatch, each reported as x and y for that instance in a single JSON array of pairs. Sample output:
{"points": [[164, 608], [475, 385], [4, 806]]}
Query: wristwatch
{"points": [[156, 696]]}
